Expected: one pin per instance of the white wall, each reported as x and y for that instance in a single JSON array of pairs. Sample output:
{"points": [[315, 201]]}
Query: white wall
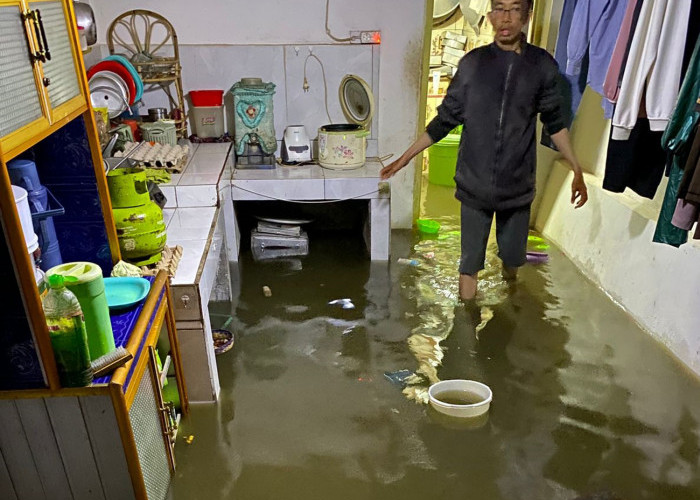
{"points": [[208, 27], [610, 240]]}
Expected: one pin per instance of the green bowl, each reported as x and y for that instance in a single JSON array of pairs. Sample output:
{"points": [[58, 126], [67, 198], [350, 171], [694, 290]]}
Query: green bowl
{"points": [[428, 226]]}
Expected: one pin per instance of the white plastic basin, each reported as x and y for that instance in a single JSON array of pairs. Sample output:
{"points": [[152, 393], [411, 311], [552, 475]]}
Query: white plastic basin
{"points": [[444, 397]]}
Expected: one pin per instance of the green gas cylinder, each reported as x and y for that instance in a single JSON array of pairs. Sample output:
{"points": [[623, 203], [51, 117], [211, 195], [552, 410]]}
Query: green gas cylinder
{"points": [[139, 222]]}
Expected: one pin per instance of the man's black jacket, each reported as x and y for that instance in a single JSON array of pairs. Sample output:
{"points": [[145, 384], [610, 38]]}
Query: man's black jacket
{"points": [[497, 95]]}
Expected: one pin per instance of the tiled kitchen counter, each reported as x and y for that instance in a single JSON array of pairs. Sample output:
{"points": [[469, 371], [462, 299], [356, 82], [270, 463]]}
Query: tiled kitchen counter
{"points": [[195, 222], [314, 183]]}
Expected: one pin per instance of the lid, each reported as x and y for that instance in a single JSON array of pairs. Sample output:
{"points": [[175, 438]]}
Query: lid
{"points": [[357, 100], [252, 82], [341, 127], [56, 281], [77, 272]]}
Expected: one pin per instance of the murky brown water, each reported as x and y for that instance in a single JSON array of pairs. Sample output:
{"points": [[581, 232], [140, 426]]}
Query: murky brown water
{"points": [[313, 404]]}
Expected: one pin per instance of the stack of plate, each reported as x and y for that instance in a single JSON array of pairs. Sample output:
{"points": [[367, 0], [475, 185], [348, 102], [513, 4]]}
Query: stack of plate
{"points": [[114, 84]]}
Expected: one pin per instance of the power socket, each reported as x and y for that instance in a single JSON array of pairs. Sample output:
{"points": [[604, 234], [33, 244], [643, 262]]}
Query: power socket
{"points": [[366, 37]]}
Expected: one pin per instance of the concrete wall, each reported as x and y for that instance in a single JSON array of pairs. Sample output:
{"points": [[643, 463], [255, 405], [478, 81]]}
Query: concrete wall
{"points": [[222, 40], [610, 240]]}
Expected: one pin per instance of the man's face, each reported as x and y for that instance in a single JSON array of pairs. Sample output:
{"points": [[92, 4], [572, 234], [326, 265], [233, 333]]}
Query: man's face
{"points": [[508, 18]]}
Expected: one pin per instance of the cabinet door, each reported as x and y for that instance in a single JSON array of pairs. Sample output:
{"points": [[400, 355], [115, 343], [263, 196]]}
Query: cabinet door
{"points": [[20, 103], [146, 422], [61, 71]]}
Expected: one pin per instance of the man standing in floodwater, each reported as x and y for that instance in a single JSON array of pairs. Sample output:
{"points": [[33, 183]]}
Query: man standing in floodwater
{"points": [[496, 94]]}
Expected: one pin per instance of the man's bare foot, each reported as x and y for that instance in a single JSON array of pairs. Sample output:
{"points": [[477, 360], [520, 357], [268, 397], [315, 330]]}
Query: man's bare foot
{"points": [[467, 286], [510, 273]]}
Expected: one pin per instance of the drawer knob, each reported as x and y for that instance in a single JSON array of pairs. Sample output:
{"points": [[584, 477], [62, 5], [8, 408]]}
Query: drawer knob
{"points": [[185, 299]]}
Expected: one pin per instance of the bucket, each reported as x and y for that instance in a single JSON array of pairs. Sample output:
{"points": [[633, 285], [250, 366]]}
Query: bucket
{"points": [[90, 291], [207, 121], [25, 218], [442, 161]]}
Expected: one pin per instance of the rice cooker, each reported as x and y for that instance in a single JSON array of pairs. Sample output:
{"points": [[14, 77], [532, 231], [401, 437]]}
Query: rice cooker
{"points": [[343, 145]]}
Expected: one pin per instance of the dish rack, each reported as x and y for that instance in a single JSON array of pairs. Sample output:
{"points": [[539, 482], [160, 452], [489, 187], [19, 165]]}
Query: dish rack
{"points": [[149, 41]]}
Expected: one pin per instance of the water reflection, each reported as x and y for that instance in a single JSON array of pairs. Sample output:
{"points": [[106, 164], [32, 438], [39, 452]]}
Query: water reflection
{"points": [[312, 404]]}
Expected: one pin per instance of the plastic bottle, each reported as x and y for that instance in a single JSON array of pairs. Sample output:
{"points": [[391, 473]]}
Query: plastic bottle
{"points": [[410, 262], [66, 323]]}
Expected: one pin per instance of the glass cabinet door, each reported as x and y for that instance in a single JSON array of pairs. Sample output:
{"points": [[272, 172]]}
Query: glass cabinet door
{"points": [[60, 72], [20, 102]]}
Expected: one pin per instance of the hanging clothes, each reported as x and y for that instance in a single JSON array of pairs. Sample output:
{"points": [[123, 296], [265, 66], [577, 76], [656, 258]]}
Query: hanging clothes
{"points": [[613, 77], [676, 137], [687, 211], [689, 189], [570, 87], [692, 36], [655, 62], [637, 163], [594, 28]]}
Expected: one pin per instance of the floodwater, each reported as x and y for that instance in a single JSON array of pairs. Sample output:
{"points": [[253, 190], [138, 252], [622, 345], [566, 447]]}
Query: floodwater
{"points": [[321, 402]]}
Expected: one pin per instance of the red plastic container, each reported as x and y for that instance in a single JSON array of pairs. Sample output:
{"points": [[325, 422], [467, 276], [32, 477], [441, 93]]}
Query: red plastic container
{"points": [[202, 98]]}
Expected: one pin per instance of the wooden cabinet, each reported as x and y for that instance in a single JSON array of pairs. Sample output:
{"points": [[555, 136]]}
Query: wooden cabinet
{"points": [[113, 439], [41, 69]]}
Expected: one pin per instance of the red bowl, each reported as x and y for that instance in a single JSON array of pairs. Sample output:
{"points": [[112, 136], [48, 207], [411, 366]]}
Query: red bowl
{"points": [[120, 70]]}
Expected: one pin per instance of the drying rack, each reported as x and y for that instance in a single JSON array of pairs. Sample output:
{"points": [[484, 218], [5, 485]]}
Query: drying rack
{"points": [[149, 41]]}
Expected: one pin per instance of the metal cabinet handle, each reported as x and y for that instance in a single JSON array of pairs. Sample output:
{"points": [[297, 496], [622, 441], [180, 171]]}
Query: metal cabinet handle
{"points": [[40, 54], [185, 299], [43, 35]]}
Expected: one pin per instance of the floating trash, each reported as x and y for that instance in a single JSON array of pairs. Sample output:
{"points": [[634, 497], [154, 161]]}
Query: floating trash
{"points": [[410, 262], [398, 377], [223, 340], [537, 257], [428, 226], [344, 303]]}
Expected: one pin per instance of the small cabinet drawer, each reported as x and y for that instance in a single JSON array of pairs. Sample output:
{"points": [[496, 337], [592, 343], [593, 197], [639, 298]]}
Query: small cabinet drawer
{"points": [[186, 303]]}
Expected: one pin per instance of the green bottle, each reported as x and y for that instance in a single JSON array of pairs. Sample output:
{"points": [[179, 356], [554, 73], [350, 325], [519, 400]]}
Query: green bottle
{"points": [[66, 323]]}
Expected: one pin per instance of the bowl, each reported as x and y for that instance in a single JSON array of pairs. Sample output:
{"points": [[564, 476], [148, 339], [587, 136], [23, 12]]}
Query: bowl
{"points": [[460, 398], [428, 226], [123, 292]]}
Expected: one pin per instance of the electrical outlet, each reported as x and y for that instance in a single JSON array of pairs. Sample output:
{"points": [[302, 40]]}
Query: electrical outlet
{"points": [[366, 37], [374, 37]]}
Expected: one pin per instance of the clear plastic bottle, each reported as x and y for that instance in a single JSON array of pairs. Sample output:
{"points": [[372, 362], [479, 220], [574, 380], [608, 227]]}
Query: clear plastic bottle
{"points": [[66, 323]]}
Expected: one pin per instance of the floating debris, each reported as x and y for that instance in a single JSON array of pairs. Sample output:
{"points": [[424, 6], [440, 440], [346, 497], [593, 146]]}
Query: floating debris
{"points": [[537, 257], [344, 303], [266, 291], [398, 377]]}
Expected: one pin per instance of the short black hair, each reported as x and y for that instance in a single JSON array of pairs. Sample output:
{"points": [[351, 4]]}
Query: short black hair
{"points": [[526, 3]]}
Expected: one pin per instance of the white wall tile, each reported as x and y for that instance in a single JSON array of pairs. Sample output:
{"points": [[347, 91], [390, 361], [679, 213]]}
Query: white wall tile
{"points": [[308, 108], [219, 67]]}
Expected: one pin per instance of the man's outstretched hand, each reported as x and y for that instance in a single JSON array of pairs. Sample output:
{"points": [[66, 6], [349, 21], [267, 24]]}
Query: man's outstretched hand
{"points": [[579, 192], [392, 168]]}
